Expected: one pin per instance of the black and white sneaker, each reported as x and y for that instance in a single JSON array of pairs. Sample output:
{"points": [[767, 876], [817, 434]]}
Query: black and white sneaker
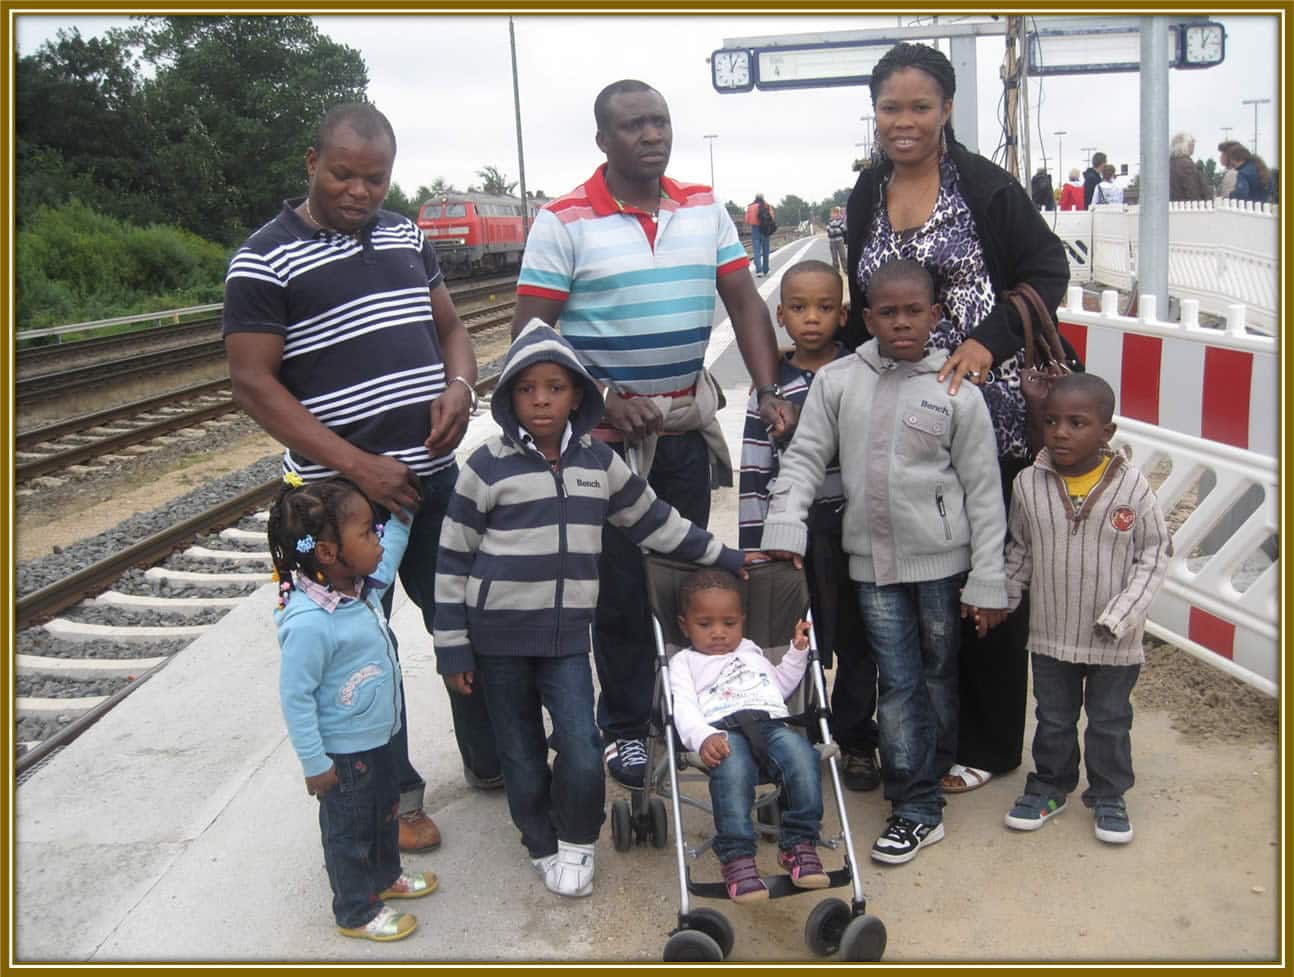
{"points": [[627, 762], [902, 839]]}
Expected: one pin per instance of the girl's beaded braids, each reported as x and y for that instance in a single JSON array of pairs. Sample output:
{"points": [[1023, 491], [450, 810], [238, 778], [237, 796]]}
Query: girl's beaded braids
{"points": [[300, 516]]}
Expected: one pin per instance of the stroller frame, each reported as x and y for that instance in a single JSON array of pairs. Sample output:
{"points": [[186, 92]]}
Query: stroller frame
{"points": [[704, 934]]}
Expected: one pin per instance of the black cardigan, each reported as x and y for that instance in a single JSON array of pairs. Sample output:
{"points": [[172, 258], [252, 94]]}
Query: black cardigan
{"points": [[1018, 246]]}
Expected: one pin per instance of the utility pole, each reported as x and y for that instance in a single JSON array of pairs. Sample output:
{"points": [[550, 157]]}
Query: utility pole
{"points": [[1011, 80], [866, 120], [710, 138], [1255, 102], [1226, 132], [521, 155], [1060, 149]]}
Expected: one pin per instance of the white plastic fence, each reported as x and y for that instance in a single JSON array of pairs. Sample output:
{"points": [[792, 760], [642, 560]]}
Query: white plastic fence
{"points": [[1204, 404], [1221, 253], [1219, 600]]}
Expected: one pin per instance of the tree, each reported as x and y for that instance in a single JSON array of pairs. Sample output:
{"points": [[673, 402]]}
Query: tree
{"points": [[494, 181], [397, 200], [232, 105], [792, 210]]}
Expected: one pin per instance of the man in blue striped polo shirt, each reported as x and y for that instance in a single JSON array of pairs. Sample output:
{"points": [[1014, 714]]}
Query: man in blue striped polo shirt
{"points": [[343, 343], [626, 266]]}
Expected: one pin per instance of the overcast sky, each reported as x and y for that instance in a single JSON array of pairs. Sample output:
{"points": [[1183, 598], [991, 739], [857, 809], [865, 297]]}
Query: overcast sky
{"points": [[446, 84]]}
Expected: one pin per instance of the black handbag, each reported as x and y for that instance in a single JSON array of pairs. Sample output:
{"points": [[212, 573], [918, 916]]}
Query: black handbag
{"points": [[1044, 358]]}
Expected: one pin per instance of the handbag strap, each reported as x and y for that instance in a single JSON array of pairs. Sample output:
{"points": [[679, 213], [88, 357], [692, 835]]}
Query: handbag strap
{"points": [[1043, 344]]}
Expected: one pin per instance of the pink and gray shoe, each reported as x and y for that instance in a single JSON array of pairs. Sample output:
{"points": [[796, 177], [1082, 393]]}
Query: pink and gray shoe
{"points": [[741, 877]]}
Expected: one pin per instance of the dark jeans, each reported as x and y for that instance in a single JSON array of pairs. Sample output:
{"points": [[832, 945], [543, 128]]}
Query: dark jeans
{"points": [[993, 691], [794, 767], [566, 803], [418, 575], [838, 627], [361, 836], [1062, 689], [624, 651], [759, 250], [914, 629]]}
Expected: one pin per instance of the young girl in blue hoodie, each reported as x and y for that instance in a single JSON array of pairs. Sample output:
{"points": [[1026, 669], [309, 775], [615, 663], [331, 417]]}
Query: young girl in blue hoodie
{"points": [[517, 585], [339, 688]]}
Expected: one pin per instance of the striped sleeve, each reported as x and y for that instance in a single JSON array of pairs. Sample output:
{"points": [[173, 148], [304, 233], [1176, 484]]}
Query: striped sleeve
{"points": [[431, 263], [758, 469], [1019, 551], [255, 296], [1152, 546], [657, 525], [730, 254], [548, 262], [460, 537]]}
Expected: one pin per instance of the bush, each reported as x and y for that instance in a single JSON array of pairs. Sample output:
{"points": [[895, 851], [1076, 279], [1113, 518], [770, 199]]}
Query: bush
{"points": [[75, 264]]}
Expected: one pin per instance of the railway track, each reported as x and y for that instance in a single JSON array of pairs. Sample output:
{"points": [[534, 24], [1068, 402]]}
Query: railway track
{"points": [[86, 641]]}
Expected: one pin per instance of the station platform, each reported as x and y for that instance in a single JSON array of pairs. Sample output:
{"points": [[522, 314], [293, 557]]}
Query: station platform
{"points": [[178, 830]]}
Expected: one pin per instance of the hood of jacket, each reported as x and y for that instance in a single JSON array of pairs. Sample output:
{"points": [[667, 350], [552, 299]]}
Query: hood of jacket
{"points": [[541, 343], [870, 353]]}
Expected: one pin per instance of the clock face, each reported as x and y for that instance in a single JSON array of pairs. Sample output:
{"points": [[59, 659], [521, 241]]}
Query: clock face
{"points": [[1203, 44], [731, 70]]}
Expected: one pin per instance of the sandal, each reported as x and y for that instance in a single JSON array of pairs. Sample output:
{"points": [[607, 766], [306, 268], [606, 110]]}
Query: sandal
{"points": [[959, 779]]}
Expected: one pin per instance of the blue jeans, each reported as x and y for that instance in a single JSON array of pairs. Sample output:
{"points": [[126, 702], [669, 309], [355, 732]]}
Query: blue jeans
{"points": [[624, 651], [566, 802], [914, 630], [361, 836], [418, 575], [1062, 689], [759, 249], [794, 764]]}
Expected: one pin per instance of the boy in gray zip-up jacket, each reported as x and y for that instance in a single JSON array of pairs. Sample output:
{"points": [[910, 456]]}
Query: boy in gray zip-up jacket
{"points": [[924, 527]]}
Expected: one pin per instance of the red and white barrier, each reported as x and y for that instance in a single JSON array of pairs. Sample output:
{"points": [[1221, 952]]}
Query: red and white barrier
{"points": [[1219, 385]]}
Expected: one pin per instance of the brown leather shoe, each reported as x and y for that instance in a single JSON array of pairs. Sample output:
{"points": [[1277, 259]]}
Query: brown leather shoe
{"points": [[418, 832]]}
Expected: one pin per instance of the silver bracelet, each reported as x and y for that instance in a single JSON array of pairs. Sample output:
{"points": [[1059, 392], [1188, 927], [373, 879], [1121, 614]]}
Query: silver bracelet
{"points": [[471, 391]]}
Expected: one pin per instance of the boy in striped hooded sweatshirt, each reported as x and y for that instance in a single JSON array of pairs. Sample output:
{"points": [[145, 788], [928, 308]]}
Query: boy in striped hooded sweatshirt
{"points": [[1088, 539], [517, 586]]}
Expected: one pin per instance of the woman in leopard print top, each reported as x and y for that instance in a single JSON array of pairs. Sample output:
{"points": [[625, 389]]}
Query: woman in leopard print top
{"points": [[926, 197]]}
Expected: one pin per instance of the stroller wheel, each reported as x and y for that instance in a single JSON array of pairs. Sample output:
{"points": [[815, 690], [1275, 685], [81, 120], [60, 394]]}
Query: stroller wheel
{"points": [[826, 926], [622, 835], [715, 925], [864, 939], [659, 823], [692, 945]]}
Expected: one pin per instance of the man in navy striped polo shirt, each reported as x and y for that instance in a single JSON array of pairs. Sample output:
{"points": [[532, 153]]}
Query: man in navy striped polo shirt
{"points": [[343, 343], [626, 266]]}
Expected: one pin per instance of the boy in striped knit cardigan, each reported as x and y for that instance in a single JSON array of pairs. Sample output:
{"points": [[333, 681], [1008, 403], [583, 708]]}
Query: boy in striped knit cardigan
{"points": [[517, 586], [1088, 539]]}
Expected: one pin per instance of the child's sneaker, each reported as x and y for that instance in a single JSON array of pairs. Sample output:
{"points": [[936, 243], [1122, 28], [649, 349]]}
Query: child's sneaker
{"points": [[901, 841], [627, 762], [1112, 824], [411, 885], [570, 873], [386, 926], [742, 879], [1031, 811], [804, 865]]}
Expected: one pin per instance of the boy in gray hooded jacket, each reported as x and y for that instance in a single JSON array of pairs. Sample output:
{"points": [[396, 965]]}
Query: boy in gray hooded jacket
{"points": [[517, 587], [924, 527]]}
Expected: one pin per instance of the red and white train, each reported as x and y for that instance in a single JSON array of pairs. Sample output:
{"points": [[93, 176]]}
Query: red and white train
{"points": [[476, 231]]}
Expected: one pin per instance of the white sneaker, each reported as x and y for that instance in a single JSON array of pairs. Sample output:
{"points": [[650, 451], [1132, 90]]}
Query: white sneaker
{"points": [[543, 864], [571, 871]]}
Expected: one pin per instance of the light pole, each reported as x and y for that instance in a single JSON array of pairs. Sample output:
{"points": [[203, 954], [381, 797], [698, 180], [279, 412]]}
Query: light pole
{"points": [[866, 120], [1087, 151], [521, 154], [710, 138], [1060, 149], [1226, 133], [1255, 102]]}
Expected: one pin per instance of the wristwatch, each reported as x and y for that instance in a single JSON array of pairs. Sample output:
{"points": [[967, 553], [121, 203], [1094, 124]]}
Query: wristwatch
{"points": [[772, 389], [471, 391]]}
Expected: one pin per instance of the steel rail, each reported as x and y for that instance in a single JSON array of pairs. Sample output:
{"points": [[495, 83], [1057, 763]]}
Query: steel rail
{"points": [[83, 422], [46, 386], [107, 445]]}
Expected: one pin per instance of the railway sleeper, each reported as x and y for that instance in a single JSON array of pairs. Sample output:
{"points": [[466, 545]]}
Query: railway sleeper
{"points": [[118, 599], [84, 668], [67, 630], [44, 708], [206, 553], [196, 577]]}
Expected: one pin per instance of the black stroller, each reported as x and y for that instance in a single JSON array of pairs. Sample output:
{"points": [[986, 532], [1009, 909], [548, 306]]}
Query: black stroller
{"points": [[774, 598]]}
